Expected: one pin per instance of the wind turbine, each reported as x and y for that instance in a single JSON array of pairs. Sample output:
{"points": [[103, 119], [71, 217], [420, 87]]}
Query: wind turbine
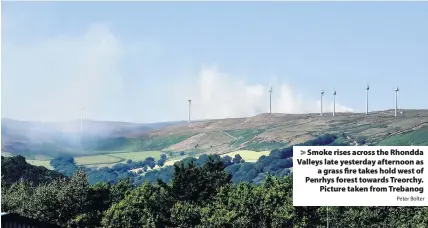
{"points": [[334, 102], [367, 99], [270, 100], [322, 94], [190, 102], [396, 100]]}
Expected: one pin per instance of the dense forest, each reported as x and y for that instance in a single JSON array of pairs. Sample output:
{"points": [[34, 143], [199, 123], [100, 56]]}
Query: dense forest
{"points": [[196, 196]]}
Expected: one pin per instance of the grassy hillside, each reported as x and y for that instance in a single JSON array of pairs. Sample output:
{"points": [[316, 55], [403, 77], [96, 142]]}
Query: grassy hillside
{"points": [[263, 132], [33, 139], [417, 137]]}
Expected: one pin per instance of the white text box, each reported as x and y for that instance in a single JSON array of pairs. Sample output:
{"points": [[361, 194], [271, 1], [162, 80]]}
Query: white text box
{"points": [[360, 176]]}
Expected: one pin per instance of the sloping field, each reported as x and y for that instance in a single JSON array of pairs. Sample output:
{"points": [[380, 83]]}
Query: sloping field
{"points": [[248, 155], [41, 163], [6, 154], [97, 159], [108, 160], [204, 140], [137, 156], [414, 138]]}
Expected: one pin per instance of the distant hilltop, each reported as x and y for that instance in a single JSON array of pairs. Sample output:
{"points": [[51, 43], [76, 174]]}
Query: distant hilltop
{"points": [[260, 132], [90, 126]]}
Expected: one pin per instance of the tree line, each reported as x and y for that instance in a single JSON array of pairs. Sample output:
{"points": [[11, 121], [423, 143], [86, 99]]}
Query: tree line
{"points": [[67, 166], [277, 163], [196, 196]]}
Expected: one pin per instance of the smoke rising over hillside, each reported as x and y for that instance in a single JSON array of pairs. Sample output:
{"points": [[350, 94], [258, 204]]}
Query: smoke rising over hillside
{"points": [[50, 78], [218, 95]]}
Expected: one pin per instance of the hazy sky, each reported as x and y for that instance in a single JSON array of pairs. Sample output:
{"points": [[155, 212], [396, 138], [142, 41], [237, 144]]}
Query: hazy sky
{"points": [[142, 61]]}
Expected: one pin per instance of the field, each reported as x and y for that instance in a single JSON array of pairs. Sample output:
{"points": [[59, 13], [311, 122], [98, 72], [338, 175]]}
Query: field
{"points": [[137, 156], [248, 155], [110, 159], [101, 160], [96, 159], [40, 163], [6, 154], [171, 162]]}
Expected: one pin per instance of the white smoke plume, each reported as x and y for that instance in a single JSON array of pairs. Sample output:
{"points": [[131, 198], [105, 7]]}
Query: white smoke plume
{"points": [[219, 95], [50, 79]]}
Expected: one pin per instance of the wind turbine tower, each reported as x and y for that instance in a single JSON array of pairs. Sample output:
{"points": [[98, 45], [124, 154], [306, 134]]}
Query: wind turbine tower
{"points": [[367, 99], [396, 100], [190, 102], [334, 102], [322, 94], [270, 100]]}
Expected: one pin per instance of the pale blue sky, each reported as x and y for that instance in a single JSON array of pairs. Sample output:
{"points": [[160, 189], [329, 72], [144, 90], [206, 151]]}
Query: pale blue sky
{"points": [[141, 61]]}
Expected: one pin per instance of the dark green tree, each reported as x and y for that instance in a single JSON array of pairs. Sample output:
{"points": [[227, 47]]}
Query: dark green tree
{"points": [[146, 206], [197, 184]]}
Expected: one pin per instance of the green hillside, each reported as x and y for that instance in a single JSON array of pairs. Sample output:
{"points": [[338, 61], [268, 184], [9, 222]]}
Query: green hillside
{"points": [[414, 138], [259, 133]]}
